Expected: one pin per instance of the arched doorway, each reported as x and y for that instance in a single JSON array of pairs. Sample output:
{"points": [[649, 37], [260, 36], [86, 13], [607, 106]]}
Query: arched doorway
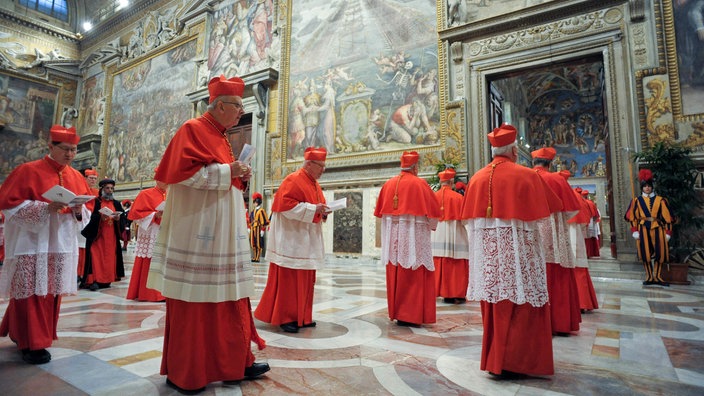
{"points": [[562, 105]]}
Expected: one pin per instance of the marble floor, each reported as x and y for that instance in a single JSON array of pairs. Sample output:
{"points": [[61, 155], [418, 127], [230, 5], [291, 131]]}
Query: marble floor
{"points": [[642, 341]]}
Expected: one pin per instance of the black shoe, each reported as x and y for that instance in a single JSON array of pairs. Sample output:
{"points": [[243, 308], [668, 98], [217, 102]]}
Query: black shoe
{"points": [[647, 283], [505, 374], [93, 287], [408, 324], [460, 300], [256, 369], [184, 391], [448, 300], [562, 334], [663, 283], [311, 324], [39, 356], [290, 327]]}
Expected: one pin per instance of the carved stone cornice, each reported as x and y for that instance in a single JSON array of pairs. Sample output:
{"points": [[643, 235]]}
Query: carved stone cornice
{"points": [[552, 32], [521, 19], [37, 24]]}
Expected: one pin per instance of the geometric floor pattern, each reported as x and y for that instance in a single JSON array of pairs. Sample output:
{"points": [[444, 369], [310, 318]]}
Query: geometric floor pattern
{"points": [[642, 341]]}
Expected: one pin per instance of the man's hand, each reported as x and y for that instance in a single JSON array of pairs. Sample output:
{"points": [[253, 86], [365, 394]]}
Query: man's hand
{"points": [[57, 207], [321, 209], [240, 169], [636, 235]]}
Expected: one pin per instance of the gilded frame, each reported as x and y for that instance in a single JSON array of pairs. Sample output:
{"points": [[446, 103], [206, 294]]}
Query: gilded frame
{"points": [[674, 37], [357, 90]]}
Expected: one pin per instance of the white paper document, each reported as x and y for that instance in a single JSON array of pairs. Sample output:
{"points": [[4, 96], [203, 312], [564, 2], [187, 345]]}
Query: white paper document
{"points": [[108, 212], [246, 154], [337, 204], [61, 194]]}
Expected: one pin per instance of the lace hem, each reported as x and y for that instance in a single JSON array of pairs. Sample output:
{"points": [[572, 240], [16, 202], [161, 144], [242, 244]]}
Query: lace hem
{"points": [[506, 262], [41, 274], [406, 241]]}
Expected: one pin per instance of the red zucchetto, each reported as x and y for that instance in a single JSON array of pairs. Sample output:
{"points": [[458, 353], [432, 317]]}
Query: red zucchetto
{"points": [[315, 154], [503, 135], [547, 153], [408, 159], [58, 133], [219, 86]]}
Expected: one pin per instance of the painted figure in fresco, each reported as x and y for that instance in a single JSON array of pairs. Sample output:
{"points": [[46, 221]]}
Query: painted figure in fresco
{"points": [[456, 12], [260, 21], [695, 15], [410, 123], [311, 114], [326, 131], [402, 80], [297, 132]]}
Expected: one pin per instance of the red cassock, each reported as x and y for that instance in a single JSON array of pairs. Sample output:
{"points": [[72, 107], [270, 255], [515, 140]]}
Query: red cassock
{"points": [[288, 294], [517, 335], [144, 205], [451, 273], [31, 322], [203, 341], [562, 286], [410, 292]]}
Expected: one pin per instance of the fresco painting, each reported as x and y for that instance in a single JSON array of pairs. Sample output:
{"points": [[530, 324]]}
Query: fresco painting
{"points": [[565, 110], [27, 111], [241, 37], [92, 104], [146, 111], [362, 77], [689, 39]]}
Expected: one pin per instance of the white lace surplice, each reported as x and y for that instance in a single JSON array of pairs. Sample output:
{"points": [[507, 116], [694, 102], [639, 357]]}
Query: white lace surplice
{"points": [[406, 241], [41, 252], [146, 235], [506, 262], [554, 233]]}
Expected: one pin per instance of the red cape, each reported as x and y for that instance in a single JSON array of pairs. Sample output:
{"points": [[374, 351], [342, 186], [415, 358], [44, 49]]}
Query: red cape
{"points": [[450, 203], [584, 214], [29, 181], [517, 193], [198, 143], [297, 187], [415, 197], [561, 188], [146, 202]]}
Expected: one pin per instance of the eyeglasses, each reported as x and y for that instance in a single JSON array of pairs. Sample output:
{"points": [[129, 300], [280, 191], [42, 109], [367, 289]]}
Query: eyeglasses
{"points": [[67, 149], [238, 106]]}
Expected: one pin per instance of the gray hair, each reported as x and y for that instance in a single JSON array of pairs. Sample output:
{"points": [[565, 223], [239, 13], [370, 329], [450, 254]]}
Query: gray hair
{"points": [[211, 105], [503, 150]]}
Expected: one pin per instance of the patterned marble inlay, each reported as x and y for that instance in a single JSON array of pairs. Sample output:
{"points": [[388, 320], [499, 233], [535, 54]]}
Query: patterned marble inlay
{"points": [[641, 341]]}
